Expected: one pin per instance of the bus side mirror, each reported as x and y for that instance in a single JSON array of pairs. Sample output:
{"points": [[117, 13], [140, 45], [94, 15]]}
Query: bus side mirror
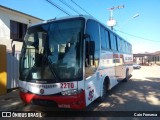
{"points": [[91, 47], [86, 36]]}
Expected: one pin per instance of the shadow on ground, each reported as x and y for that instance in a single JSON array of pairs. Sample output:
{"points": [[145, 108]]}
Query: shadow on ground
{"points": [[135, 95]]}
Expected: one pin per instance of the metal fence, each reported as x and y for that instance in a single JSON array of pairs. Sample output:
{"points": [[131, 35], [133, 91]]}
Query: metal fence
{"points": [[12, 70]]}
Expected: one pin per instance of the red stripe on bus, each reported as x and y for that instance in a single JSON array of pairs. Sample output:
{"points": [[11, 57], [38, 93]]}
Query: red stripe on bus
{"points": [[74, 101], [110, 56], [115, 56]]}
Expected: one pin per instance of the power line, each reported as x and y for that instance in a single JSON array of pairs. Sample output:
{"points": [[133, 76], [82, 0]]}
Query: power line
{"points": [[52, 3], [81, 8], [69, 6], [136, 36]]}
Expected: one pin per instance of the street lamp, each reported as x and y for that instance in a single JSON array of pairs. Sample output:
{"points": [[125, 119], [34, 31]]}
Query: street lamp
{"points": [[134, 16]]}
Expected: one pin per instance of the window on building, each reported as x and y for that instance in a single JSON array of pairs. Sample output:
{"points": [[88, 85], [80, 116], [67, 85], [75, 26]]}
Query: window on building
{"points": [[17, 30]]}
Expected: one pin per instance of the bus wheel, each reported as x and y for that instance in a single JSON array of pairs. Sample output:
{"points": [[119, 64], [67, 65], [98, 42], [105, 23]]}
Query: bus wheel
{"points": [[127, 76], [104, 93]]}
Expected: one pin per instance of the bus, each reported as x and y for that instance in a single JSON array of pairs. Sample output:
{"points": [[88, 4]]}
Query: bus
{"points": [[72, 61]]}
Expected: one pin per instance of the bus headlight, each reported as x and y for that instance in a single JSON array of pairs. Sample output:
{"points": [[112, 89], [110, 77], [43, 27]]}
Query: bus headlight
{"points": [[23, 90], [71, 92]]}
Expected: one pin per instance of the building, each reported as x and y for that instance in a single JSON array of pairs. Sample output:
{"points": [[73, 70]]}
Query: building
{"points": [[147, 58], [13, 26], [141, 58], [155, 58]]}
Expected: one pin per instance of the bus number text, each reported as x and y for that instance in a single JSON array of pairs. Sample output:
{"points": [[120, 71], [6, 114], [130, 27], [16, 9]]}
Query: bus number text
{"points": [[67, 85]]}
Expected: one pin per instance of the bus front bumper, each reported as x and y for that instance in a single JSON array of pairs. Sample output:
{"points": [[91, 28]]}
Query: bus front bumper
{"points": [[73, 102]]}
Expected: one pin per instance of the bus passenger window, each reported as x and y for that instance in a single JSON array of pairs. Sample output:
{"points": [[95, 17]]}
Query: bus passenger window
{"points": [[113, 41], [92, 29], [103, 39], [107, 39], [119, 44]]}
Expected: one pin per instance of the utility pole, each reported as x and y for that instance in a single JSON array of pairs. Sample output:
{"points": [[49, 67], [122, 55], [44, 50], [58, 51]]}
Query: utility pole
{"points": [[111, 22]]}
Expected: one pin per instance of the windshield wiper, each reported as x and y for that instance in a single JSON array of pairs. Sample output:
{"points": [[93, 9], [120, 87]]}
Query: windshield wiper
{"points": [[47, 61], [29, 72], [52, 69]]}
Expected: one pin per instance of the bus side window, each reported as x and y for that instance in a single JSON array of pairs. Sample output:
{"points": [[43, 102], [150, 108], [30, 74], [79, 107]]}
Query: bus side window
{"points": [[124, 46], [119, 44], [107, 39], [92, 29], [127, 47], [104, 43], [113, 41], [130, 49]]}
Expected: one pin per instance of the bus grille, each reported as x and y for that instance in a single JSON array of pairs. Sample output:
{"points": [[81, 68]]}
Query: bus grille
{"points": [[47, 103]]}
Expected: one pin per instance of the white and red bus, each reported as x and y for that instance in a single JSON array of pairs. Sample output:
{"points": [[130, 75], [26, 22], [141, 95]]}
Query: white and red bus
{"points": [[70, 62]]}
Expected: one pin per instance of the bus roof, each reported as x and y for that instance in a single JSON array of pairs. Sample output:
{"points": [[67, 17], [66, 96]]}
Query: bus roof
{"points": [[86, 17], [63, 18]]}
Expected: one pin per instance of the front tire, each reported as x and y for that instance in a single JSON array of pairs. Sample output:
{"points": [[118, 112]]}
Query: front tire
{"points": [[127, 76], [104, 93]]}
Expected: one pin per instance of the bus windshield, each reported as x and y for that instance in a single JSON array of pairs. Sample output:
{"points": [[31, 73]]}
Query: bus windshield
{"points": [[52, 52]]}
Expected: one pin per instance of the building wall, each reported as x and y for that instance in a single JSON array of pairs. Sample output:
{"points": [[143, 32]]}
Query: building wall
{"points": [[140, 60], [155, 59], [12, 62], [5, 17]]}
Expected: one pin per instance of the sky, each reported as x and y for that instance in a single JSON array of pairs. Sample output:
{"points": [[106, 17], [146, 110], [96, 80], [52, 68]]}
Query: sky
{"points": [[142, 32]]}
